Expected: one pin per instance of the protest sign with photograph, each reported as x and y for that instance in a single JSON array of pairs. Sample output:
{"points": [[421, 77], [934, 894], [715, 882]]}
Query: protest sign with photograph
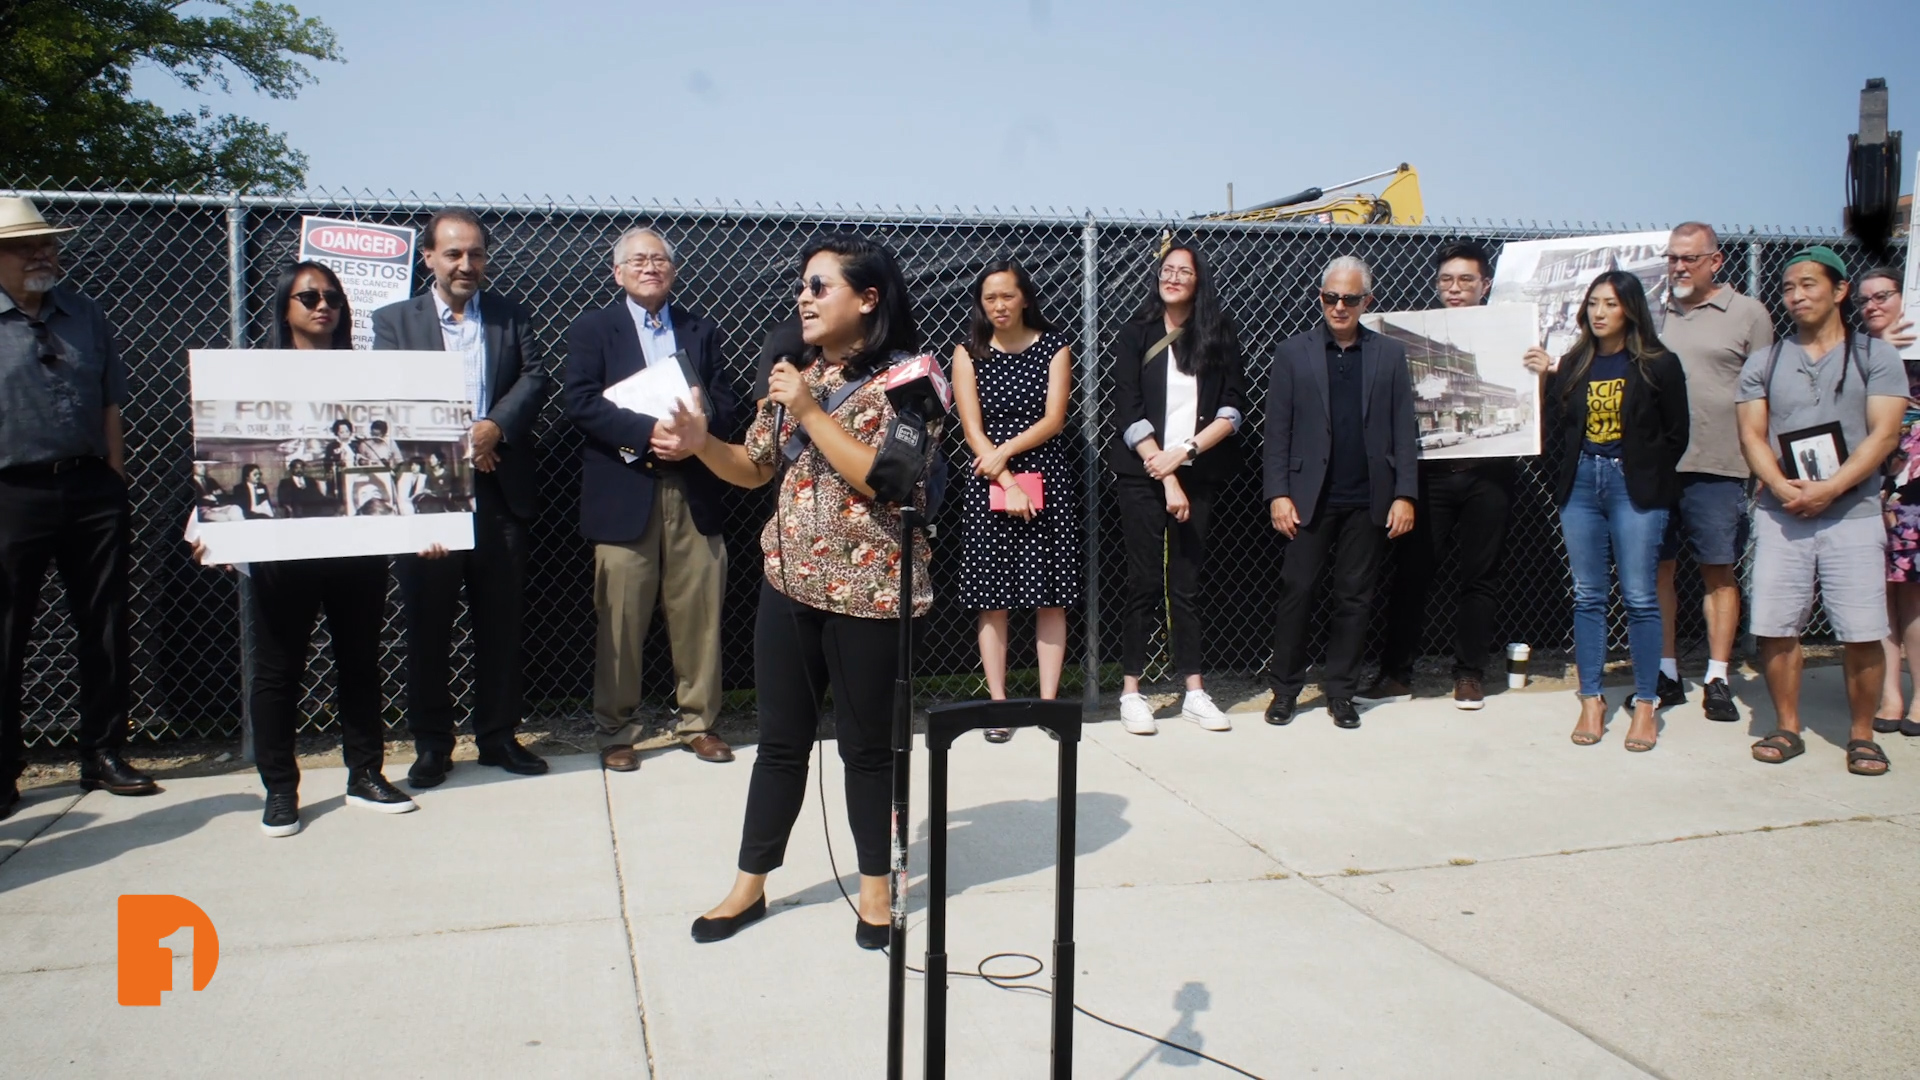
{"points": [[307, 455], [375, 264], [1472, 395], [1553, 276], [1910, 289]]}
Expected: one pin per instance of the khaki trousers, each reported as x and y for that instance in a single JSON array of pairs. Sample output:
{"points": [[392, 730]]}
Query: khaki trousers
{"points": [[685, 571]]}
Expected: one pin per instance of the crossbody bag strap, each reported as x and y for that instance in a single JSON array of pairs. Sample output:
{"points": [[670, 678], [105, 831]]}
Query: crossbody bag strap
{"points": [[797, 445], [1160, 346]]}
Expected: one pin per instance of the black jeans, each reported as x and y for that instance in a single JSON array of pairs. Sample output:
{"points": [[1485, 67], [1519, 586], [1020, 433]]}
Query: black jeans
{"points": [[1464, 512], [287, 600], [798, 652], [77, 521], [1154, 540], [494, 575], [1348, 538]]}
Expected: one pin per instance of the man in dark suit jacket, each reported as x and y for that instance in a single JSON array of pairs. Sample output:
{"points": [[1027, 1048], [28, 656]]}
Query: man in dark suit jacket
{"points": [[507, 380], [1342, 474], [653, 513]]}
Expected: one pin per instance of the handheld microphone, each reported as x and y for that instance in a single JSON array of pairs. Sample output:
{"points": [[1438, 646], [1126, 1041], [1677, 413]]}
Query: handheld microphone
{"points": [[919, 387]]}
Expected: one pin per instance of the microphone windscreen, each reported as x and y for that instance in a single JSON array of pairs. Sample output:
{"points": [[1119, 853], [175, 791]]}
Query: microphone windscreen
{"points": [[920, 384], [782, 342]]}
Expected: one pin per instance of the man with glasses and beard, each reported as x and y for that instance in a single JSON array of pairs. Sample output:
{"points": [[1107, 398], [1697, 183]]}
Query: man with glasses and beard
{"points": [[63, 497], [1342, 474]]}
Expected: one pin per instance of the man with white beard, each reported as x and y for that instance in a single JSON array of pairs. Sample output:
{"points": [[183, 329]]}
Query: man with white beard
{"points": [[1713, 329], [63, 497]]}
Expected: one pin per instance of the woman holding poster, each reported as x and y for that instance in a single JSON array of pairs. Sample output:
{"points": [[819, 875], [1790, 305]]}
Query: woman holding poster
{"points": [[310, 311]]}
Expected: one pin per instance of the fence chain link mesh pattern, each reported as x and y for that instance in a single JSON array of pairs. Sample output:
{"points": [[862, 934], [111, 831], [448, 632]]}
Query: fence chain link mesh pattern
{"points": [[160, 266]]}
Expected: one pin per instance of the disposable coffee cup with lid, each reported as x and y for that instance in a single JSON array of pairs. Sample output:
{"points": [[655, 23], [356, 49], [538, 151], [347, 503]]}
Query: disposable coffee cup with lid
{"points": [[1519, 653]]}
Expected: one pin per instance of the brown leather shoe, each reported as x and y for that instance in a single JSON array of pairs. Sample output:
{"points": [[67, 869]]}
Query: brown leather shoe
{"points": [[620, 759], [710, 747]]}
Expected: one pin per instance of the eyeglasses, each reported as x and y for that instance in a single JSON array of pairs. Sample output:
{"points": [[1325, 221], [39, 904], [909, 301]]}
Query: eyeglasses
{"points": [[816, 285], [1334, 299], [1462, 281], [49, 355], [648, 262], [1176, 273], [310, 298], [1690, 261], [1880, 297]]}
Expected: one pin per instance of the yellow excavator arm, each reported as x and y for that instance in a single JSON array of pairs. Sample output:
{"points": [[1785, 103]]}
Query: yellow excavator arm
{"points": [[1398, 204]]}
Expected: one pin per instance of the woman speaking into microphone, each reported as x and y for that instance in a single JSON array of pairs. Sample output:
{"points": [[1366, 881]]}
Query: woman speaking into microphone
{"points": [[831, 598]]}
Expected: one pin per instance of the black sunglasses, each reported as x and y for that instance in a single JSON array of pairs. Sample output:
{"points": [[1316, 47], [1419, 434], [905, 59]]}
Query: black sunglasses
{"points": [[816, 285], [1334, 299], [310, 299]]}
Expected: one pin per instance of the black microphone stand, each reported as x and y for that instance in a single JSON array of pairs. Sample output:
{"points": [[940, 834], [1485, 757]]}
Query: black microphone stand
{"points": [[910, 519]]}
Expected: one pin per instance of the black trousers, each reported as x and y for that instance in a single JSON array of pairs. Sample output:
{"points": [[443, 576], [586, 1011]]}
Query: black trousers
{"points": [[800, 651], [494, 575], [1346, 538], [1164, 558], [1461, 513], [77, 521], [288, 598]]}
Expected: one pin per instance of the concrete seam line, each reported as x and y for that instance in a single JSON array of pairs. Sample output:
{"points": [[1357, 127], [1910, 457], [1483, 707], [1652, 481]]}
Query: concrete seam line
{"points": [[51, 822], [1156, 781], [626, 924]]}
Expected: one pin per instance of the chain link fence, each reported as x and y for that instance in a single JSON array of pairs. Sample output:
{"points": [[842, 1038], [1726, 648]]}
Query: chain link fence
{"points": [[181, 272]]}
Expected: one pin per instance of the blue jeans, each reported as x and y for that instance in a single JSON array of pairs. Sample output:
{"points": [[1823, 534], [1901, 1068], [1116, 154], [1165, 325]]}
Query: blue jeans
{"points": [[1601, 525]]}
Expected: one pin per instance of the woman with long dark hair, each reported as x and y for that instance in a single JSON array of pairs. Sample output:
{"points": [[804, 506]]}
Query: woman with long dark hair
{"points": [[310, 311], [1616, 418], [830, 601], [1011, 383], [1179, 398]]}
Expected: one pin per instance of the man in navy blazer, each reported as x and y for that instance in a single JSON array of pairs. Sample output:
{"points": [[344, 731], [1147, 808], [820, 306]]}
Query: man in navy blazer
{"points": [[653, 513], [507, 382], [1342, 474]]}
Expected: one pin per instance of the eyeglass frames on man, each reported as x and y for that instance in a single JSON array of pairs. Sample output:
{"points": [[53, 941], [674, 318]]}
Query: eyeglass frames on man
{"points": [[647, 262], [1690, 261], [1334, 299], [310, 298]]}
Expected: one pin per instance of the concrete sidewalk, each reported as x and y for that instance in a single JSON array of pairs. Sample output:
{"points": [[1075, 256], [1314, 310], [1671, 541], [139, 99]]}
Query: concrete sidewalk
{"points": [[1439, 894]]}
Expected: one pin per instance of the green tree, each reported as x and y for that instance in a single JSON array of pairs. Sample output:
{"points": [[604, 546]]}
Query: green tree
{"points": [[67, 110]]}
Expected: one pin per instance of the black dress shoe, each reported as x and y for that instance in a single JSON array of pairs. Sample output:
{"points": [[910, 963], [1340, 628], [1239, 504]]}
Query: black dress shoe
{"points": [[370, 791], [105, 771], [1280, 710], [1344, 714], [514, 758], [870, 937], [706, 931], [9, 799], [430, 769]]}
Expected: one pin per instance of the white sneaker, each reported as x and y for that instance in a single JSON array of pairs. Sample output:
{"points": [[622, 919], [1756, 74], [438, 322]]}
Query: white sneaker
{"points": [[1199, 708], [1137, 716]]}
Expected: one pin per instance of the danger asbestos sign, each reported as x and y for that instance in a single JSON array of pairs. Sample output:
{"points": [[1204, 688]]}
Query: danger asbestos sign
{"points": [[375, 264]]}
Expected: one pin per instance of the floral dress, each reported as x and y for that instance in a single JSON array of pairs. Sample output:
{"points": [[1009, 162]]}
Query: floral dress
{"points": [[1900, 505]]}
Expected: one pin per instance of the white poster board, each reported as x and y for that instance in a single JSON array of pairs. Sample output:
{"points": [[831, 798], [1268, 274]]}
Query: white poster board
{"points": [[375, 264], [308, 455], [1910, 289], [1553, 276], [1472, 395]]}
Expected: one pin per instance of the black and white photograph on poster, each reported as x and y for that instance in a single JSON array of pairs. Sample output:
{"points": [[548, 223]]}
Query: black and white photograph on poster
{"points": [[358, 454], [1472, 395], [1553, 276], [374, 264], [1814, 453]]}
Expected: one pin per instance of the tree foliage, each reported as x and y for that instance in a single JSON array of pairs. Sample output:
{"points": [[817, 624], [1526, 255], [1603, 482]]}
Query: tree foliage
{"points": [[67, 109]]}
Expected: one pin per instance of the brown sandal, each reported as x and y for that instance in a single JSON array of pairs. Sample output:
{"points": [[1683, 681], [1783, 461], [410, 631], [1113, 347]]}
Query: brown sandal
{"points": [[1783, 742], [1860, 751]]}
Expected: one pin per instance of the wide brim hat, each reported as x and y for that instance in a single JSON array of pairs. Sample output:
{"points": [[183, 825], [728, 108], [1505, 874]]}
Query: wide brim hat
{"points": [[20, 219]]}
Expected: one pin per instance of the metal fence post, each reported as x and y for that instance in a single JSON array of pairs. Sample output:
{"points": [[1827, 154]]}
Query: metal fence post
{"points": [[1090, 436], [1745, 644], [237, 338]]}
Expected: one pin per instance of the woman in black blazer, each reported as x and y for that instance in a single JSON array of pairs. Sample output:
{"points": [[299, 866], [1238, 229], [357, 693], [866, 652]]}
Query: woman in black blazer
{"points": [[1179, 397], [1616, 425]]}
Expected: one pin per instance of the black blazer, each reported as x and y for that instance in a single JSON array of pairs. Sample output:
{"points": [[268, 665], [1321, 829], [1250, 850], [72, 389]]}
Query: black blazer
{"points": [[1653, 433], [1140, 393], [616, 499], [517, 383], [1299, 440]]}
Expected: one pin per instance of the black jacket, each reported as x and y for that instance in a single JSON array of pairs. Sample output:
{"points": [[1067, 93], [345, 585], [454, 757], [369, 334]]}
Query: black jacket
{"points": [[616, 498], [1140, 393], [1299, 444], [1653, 433]]}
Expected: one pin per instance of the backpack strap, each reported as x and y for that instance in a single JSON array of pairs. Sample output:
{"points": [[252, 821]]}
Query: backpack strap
{"points": [[798, 444]]}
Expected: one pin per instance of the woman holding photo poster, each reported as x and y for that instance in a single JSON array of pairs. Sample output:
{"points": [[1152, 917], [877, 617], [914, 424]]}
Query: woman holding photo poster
{"points": [[1616, 421], [1883, 314], [310, 312]]}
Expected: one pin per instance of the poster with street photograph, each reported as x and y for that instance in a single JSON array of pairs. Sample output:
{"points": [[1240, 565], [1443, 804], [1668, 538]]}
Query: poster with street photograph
{"points": [[307, 455], [1553, 276], [1472, 395], [374, 263]]}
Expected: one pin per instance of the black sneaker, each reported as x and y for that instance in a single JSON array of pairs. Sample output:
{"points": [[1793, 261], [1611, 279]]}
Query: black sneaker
{"points": [[1344, 714], [370, 791], [1717, 702], [1671, 692], [283, 814]]}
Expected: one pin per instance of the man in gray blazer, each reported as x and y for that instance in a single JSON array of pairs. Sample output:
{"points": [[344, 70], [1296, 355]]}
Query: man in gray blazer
{"points": [[507, 382], [1342, 475]]}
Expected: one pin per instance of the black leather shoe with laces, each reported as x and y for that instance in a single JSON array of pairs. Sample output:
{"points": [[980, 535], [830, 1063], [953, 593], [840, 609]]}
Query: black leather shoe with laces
{"points": [[514, 758], [104, 770], [1280, 711], [1344, 714], [429, 769], [370, 791], [1717, 702], [283, 814], [1672, 692]]}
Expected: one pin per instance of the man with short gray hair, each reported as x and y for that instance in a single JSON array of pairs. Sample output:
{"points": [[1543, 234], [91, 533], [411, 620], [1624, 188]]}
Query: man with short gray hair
{"points": [[653, 513]]}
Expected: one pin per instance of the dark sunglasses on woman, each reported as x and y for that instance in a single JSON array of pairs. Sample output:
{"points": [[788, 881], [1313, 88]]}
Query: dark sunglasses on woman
{"points": [[310, 299]]}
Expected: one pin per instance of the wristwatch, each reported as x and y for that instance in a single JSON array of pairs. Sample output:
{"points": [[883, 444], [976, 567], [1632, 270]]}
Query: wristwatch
{"points": [[1193, 450]]}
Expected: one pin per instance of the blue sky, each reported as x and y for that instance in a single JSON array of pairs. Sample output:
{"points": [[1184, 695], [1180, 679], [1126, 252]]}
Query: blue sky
{"points": [[1626, 112]]}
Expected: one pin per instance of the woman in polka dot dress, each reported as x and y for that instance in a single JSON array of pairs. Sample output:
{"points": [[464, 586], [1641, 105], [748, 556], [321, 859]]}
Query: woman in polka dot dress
{"points": [[1012, 381]]}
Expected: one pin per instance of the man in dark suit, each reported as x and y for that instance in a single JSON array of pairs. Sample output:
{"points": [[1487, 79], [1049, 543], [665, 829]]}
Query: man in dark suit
{"points": [[653, 512], [300, 495], [1342, 474], [507, 382]]}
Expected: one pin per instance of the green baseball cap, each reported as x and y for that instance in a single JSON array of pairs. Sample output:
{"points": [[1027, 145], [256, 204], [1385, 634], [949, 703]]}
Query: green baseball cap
{"points": [[1823, 255]]}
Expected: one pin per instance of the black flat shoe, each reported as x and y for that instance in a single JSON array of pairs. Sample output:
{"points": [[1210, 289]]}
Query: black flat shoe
{"points": [[514, 758], [870, 937], [1885, 725], [706, 931], [1910, 728]]}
